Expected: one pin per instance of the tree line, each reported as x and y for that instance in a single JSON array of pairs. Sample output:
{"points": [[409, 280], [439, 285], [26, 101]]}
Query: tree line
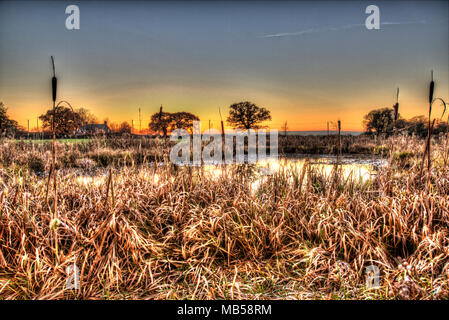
{"points": [[381, 122], [242, 115], [68, 121]]}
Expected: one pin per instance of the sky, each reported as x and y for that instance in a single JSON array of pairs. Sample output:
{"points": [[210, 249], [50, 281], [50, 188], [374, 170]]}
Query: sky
{"points": [[307, 62]]}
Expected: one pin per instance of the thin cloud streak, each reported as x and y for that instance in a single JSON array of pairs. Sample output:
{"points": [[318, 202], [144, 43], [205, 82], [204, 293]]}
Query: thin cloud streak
{"points": [[341, 28]]}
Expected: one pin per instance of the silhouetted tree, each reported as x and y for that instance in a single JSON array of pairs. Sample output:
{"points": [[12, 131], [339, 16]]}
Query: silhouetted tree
{"points": [[6, 124], [380, 121], [124, 127], [247, 115], [67, 121], [114, 126], [87, 116], [165, 121], [183, 120], [418, 126], [160, 122]]}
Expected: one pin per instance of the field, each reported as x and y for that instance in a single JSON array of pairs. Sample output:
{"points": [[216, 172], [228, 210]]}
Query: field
{"points": [[138, 230], [43, 141]]}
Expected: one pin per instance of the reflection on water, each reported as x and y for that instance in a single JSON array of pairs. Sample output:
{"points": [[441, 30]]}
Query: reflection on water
{"points": [[359, 169], [90, 180], [356, 168]]}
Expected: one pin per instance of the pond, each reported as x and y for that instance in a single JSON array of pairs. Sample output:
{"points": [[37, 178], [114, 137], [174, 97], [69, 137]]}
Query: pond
{"points": [[358, 167]]}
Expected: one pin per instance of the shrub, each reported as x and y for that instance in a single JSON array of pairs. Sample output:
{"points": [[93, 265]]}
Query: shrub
{"points": [[85, 163], [35, 163]]}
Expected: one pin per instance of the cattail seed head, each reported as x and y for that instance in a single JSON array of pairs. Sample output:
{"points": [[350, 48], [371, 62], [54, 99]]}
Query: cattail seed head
{"points": [[54, 81], [396, 111], [431, 88]]}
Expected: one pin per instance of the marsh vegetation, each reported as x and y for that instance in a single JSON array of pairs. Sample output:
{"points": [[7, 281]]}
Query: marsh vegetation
{"points": [[137, 229]]}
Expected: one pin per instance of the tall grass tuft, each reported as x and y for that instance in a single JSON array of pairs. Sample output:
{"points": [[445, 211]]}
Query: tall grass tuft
{"points": [[396, 112]]}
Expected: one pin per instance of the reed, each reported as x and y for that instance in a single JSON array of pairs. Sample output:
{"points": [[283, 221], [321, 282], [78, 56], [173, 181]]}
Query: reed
{"points": [[186, 234], [446, 158], [430, 126], [222, 135], [339, 137], [110, 186], [54, 82], [396, 112]]}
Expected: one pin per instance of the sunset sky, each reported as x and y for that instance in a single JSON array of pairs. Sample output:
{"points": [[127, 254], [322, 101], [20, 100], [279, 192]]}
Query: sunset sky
{"points": [[307, 62]]}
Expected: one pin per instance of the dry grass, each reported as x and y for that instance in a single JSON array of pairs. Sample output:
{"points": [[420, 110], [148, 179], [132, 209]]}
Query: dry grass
{"points": [[326, 144], [172, 233]]}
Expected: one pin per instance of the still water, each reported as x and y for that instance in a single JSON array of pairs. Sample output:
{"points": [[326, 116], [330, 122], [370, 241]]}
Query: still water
{"points": [[359, 168]]}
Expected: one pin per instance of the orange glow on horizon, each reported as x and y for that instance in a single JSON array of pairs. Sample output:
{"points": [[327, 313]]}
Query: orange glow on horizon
{"points": [[352, 120], [301, 114]]}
